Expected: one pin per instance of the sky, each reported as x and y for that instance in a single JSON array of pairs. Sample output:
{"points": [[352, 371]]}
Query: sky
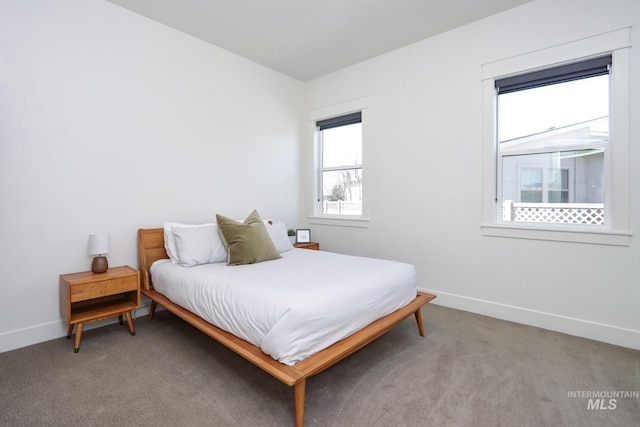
{"points": [[532, 111]]}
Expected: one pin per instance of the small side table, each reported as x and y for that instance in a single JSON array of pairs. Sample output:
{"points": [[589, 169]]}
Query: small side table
{"points": [[309, 245], [88, 297]]}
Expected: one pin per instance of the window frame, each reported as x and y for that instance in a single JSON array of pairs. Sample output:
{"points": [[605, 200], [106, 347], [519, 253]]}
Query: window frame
{"points": [[599, 66], [333, 123], [617, 203], [360, 105]]}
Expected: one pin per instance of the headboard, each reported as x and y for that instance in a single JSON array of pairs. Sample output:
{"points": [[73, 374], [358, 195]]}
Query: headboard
{"points": [[150, 249]]}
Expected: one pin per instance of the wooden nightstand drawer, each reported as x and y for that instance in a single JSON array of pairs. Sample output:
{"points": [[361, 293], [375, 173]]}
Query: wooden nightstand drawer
{"points": [[82, 292]]}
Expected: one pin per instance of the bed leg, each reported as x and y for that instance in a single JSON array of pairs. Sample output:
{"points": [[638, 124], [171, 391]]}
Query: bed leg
{"points": [[419, 320], [152, 309], [299, 390]]}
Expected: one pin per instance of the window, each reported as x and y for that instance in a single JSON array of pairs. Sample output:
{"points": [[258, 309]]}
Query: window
{"points": [[531, 185], [340, 171], [538, 185], [558, 186], [550, 122], [581, 159]]}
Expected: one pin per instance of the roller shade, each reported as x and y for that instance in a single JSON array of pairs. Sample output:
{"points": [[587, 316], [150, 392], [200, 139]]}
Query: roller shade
{"points": [[564, 73], [347, 119]]}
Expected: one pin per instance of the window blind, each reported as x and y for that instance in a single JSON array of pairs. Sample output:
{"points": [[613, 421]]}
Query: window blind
{"points": [[347, 119], [564, 73]]}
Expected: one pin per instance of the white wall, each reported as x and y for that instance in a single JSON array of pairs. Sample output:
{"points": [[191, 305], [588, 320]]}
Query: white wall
{"points": [[110, 122], [171, 128], [423, 163]]}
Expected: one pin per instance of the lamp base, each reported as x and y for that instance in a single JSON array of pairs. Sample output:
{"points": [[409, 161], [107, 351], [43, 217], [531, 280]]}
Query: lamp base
{"points": [[99, 264]]}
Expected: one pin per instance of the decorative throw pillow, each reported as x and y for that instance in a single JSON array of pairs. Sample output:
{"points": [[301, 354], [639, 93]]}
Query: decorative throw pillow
{"points": [[199, 245], [247, 242], [278, 234]]}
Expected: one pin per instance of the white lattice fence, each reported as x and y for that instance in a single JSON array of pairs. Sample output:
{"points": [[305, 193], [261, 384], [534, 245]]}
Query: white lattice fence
{"points": [[341, 207], [559, 213]]}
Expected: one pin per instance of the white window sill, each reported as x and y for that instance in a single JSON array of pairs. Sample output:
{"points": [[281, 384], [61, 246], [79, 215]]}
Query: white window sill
{"points": [[558, 235], [340, 221]]}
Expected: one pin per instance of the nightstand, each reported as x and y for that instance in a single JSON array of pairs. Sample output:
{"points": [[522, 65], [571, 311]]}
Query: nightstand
{"points": [[309, 245], [88, 297]]}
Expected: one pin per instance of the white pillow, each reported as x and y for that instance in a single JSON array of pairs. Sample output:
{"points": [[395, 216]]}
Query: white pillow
{"points": [[278, 234], [199, 245], [170, 241]]}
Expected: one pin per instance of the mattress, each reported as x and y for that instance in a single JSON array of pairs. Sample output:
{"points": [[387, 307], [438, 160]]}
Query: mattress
{"points": [[291, 307]]}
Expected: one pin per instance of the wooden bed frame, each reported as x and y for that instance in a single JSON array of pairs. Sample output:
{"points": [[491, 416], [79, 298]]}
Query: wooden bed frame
{"points": [[151, 248]]}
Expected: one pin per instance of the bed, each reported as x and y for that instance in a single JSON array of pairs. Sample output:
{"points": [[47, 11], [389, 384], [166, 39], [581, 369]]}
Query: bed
{"points": [[294, 367]]}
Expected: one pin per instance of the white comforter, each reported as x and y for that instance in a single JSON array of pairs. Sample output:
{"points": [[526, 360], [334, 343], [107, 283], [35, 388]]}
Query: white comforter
{"points": [[292, 307]]}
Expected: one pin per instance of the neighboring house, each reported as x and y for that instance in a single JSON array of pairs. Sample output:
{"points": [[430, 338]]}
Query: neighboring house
{"points": [[533, 174]]}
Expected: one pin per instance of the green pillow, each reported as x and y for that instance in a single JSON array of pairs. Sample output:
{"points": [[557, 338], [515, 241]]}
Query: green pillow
{"points": [[247, 242]]}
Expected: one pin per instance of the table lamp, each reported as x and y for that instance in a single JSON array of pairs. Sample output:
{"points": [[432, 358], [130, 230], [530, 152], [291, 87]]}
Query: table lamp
{"points": [[99, 244]]}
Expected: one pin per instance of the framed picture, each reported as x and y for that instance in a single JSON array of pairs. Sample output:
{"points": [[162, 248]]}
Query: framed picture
{"points": [[303, 235]]}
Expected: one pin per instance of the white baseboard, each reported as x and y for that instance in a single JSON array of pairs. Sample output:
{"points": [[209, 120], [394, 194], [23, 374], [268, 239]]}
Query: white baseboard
{"points": [[52, 330], [610, 334], [581, 328]]}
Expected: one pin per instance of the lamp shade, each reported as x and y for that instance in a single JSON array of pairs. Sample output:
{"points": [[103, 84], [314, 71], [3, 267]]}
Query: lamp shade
{"points": [[99, 244]]}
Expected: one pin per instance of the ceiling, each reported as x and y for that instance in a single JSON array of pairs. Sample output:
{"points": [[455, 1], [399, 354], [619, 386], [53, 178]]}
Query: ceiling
{"points": [[307, 39]]}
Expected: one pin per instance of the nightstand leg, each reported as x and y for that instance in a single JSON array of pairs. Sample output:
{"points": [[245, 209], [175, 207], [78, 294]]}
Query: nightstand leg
{"points": [[70, 330], [120, 319], [130, 323], [78, 336]]}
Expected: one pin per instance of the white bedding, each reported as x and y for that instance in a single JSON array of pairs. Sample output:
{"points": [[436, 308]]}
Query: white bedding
{"points": [[291, 307]]}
